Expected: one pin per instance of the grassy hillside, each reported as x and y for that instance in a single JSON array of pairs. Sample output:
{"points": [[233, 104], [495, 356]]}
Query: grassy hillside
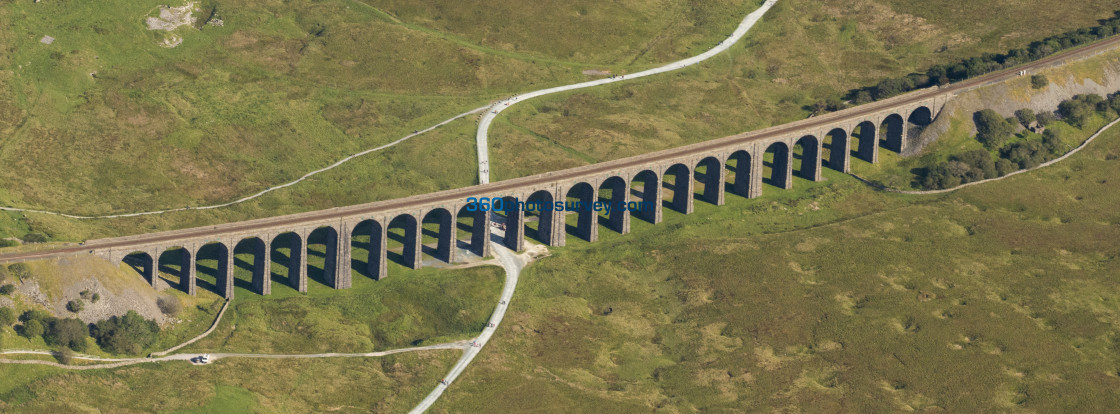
{"points": [[829, 298], [281, 89], [615, 35], [389, 384], [802, 51], [409, 308], [105, 119]]}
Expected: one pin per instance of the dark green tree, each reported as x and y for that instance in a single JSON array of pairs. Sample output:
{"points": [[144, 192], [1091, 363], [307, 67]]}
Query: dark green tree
{"points": [[1004, 167], [1075, 111], [20, 270], [888, 88], [1025, 117], [69, 332], [32, 329], [1052, 142], [129, 334], [1045, 118], [7, 316], [1039, 81], [992, 130]]}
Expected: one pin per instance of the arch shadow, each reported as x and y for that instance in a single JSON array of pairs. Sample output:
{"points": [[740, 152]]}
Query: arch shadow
{"points": [[836, 146], [443, 234], [176, 261], [678, 189], [538, 217], [644, 186], [738, 167], [775, 165], [210, 267], [286, 251], [890, 133], [366, 248], [580, 197], [322, 243], [806, 159], [143, 264], [707, 172], [865, 142], [612, 191], [401, 236]]}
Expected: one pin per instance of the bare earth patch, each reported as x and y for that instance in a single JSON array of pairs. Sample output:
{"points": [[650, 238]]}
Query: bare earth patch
{"points": [[171, 18]]}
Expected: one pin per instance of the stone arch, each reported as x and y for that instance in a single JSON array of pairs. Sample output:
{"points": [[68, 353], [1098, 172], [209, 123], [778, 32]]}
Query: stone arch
{"points": [[178, 261], [477, 224], [368, 235], [214, 268], [680, 188], [806, 158], [865, 142], [890, 132], [259, 269], [444, 235], [327, 237], [739, 177], [776, 165], [144, 264], [918, 120], [836, 143], [709, 172], [644, 185], [290, 247], [920, 116], [579, 199], [403, 235], [508, 214], [540, 210], [612, 193]]}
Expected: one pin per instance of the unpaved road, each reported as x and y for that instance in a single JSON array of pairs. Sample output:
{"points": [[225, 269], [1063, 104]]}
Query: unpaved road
{"points": [[498, 107], [120, 362], [513, 265]]}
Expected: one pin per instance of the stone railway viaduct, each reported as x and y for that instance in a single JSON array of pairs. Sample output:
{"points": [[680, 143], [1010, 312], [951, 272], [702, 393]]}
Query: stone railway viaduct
{"points": [[396, 229]]}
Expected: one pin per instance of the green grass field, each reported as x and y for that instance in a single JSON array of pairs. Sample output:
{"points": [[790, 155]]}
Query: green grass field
{"points": [[269, 96], [105, 120], [829, 298], [388, 384], [408, 308], [802, 51]]}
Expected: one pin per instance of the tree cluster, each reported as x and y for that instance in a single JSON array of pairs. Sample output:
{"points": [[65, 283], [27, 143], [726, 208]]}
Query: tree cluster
{"points": [[128, 334], [69, 332], [1031, 153], [35, 237], [979, 65], [993, 131], [963, 168]]}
